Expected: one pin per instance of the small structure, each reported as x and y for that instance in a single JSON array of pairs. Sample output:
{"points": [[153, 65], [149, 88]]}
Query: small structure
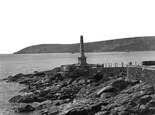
{"points": [[82, 58], [148, 63], [82, 63]]}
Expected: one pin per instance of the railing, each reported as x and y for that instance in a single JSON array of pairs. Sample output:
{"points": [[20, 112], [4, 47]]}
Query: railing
{"points": [[114, 65]]}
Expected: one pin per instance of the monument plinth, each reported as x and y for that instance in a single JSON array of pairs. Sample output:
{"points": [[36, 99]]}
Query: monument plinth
{"points": [[82, 58]]}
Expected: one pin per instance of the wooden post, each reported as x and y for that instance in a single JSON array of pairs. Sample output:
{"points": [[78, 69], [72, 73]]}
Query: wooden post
{"points": [[127, 70]]}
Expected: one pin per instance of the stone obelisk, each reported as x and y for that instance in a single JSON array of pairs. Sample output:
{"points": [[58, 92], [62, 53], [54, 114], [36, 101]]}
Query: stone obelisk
{"points": [[82, 59]]}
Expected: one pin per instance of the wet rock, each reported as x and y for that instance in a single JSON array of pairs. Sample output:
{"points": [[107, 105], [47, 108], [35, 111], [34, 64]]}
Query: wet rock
{"points": [[103, 113], [141, 88], [124, 113], [16, 77], [26, 108], [144, 99], [133, 82], [44, 112], [15, 99], [43, 105], [143, 109], [27, 99], [119, 84], [60, 102], [85, 92], [82, 107], [151, 110], [36, 73], [106, 95], [97, 76], [151, 103], [106, 89], [119, 110]]}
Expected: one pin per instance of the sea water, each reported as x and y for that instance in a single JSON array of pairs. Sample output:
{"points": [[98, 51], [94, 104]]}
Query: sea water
{"points": [[12, 64]]}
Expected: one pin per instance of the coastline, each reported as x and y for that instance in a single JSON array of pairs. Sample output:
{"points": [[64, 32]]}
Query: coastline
{"points": [[94, 91]]}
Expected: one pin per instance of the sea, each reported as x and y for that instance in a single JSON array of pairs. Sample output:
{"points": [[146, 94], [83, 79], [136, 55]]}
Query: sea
{"points": [[12, 64]]}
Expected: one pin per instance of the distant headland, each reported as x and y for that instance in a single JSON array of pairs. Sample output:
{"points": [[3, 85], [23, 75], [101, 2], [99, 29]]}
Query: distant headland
{"points": [[146, 43]]}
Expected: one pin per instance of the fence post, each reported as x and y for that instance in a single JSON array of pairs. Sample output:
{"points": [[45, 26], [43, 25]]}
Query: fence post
{"points": [[122, 64], [135, 63], [102, 65]]}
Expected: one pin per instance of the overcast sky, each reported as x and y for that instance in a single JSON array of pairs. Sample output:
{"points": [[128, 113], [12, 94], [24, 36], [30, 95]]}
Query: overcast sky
{"points": [[29, 22]]}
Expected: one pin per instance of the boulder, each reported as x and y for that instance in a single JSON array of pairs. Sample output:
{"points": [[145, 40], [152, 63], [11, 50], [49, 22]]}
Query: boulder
{"points": [[102, 113], [97, 76], [151, 103], [106, 95], [120, 110], [152, 110], [15, 99], [16, 77], [143, 109], [141, 88], [119, 84], [108, 88], [145, 99], [26, 108], [27, 98]]}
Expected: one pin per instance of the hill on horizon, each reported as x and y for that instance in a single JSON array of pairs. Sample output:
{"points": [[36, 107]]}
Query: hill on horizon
{"points": [[146, 43]]}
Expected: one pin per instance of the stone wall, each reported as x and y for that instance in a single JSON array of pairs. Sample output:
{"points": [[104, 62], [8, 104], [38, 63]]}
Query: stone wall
{"points": [[146, 75]]}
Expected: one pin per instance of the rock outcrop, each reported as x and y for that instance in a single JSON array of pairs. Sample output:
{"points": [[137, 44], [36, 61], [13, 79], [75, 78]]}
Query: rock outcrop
{"points": [[86, 92]]}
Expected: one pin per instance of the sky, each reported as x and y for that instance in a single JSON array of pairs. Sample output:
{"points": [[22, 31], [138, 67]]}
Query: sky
{"points": [[30, 22]]}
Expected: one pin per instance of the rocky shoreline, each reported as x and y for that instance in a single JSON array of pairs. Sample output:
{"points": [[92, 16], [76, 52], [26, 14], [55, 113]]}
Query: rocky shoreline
{"points": [[83, 92]]}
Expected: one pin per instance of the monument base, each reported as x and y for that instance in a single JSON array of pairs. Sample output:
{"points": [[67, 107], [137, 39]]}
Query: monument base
{"points": [[82, 60]]}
